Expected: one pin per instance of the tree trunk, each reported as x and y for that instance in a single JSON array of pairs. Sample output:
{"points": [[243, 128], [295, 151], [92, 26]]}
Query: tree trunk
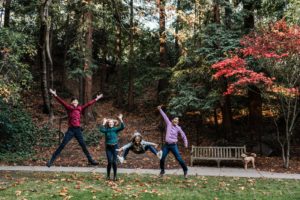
{"points": [[7, 13], [216, 121], [88, 62], [43, 52], [216, 13], [131, 66], [255, 111], [227, 117], [228, 15], [162, 83], [118, 53], [176, 45], [226, 100], [254, 94]]}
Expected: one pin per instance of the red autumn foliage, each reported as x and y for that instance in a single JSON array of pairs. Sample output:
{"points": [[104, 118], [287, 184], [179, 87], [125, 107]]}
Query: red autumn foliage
{"points": [[275, 43]]}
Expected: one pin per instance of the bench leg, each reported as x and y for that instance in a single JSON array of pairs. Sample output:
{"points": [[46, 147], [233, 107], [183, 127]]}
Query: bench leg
{"points": [[218, 163]]}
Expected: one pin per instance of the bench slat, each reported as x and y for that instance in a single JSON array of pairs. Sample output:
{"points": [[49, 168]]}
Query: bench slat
{"points": [[217, 153]]}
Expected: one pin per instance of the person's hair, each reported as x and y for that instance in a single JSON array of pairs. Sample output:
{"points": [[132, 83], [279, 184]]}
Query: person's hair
{"points": [[115, 123], [74, 98]]}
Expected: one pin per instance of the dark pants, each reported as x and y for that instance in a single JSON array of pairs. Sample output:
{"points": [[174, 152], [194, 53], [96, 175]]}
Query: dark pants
{"points": [[174, 149], [147, 147], [111, 153], [72, 132]]}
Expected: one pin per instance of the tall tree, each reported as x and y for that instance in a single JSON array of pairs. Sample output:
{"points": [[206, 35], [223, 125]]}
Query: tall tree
{"points": [[88, 81], [226, 100], [7, 13], [45, 55], [118, 51], [131, 65], [176, 46], [254, 93], [163, 82]]}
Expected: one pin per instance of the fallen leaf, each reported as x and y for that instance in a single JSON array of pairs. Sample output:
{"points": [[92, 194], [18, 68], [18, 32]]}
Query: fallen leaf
{"points": [[18, 192]]}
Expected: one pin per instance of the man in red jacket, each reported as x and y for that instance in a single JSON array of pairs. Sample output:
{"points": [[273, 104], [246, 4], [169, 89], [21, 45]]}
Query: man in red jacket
{"points": [[74, 113]]}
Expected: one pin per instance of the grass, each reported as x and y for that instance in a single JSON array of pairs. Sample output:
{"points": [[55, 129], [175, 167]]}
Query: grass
{"points": [[21, 185]]}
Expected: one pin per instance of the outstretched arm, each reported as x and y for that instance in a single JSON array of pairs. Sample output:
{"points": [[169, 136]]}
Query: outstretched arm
{"points": [[61, 101], [92, 101], [151, 143], [183, 136], [126, 146], [167, 121]]}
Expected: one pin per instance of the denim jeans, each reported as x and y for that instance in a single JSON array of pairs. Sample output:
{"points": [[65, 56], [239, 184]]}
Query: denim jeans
{"points": [[72, 132], [147, 147], [174, 149], [111, 154]]}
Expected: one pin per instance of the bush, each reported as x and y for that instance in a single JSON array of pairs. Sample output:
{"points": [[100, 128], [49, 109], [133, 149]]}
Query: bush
{"points": [[47, 137], [17, 129], [92, 137]]}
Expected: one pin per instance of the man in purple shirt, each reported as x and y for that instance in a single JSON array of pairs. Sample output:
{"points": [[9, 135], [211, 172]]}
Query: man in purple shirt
{"points": [[172, 130]]}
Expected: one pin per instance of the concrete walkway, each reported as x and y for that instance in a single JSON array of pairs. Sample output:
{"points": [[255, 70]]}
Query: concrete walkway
{"points": [[200, 171]]}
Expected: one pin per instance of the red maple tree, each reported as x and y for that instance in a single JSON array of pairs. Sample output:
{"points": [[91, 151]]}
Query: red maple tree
{"points": [[275, 43]]}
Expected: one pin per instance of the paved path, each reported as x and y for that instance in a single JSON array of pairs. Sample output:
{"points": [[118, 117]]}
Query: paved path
{"points": [[200, 171]]}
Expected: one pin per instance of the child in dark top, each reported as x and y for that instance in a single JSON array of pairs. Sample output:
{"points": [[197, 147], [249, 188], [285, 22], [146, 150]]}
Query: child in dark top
{"points": [[138, 146], [74, 111], [111, 132]]}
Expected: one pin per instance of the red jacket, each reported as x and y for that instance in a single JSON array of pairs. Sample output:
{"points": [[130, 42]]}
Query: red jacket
{"points": [[74, 113]]}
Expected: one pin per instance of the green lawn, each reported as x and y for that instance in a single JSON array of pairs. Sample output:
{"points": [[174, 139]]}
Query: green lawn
{"points": [[93, 186]]}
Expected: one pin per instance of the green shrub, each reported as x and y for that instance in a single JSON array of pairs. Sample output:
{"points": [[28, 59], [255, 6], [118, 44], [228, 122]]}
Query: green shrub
{"points": [[47, 137], [92, 136], [18, 133]]}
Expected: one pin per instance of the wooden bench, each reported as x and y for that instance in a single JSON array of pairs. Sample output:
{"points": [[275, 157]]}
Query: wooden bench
{"points": [[217, 153]]}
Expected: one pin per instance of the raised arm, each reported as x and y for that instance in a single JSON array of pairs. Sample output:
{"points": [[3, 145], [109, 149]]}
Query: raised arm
{"points": [[167, 121], [122, 126], [102, 127], [183, 136], [91, 102], [61, 101]]}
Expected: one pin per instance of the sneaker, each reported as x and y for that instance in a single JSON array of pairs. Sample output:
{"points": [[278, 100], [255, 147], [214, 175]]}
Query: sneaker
{"points": [[49, 163], [159, 154], [185, 175], [93, 162], [121, 159], [115, 178], [161, 174]]}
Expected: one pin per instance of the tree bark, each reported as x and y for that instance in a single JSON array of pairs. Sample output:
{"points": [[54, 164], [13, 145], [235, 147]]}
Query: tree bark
{"points": [[88, 81], [254, 94], [43, 52], [176, 45], [7, 13], [118, 53], [131, 67], [162, 83], [226, 100]]}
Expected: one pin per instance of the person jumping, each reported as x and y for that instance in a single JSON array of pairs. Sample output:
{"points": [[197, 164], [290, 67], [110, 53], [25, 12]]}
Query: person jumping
{"points": [[172, 130], [138, 146], [111, 132], [74, 113]]}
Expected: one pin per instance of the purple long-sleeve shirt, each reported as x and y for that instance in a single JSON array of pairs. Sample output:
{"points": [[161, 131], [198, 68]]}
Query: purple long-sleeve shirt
{"points": [[172, 131]]}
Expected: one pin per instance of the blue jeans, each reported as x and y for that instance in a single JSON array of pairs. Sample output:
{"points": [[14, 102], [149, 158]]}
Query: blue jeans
{"points": [[72, 132], [111, 155], [147, 147], [174, 149]]}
